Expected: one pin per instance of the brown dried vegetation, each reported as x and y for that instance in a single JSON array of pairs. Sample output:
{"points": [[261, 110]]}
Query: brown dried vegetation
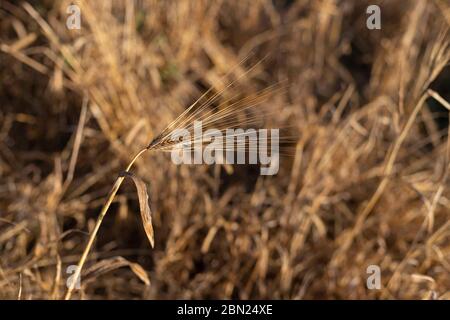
{"points": [[365, 181]]}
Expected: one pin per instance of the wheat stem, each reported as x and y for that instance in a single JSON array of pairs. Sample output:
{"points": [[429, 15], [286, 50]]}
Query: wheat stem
{"points": [[93, 234]]}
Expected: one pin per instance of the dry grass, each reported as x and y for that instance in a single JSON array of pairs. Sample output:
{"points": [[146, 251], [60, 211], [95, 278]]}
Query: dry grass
{"points": [[367, 182]]}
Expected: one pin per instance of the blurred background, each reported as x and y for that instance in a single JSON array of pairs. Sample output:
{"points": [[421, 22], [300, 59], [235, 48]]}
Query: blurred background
{"points": [[364, 183]]}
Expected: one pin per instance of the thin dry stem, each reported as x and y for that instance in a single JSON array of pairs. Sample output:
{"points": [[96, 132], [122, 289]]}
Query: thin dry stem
{"points": [[93, 234]]}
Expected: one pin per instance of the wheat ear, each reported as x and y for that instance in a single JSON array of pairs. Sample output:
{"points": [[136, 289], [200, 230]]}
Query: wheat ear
{"points": [[163, 142]]}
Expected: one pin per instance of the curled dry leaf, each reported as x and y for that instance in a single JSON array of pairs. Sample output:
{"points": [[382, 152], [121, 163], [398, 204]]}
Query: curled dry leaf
{"points": [[144, 206], [111, 264]]}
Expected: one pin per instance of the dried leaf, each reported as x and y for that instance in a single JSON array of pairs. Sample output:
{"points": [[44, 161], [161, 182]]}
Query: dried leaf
{"points": [[104, 266], [140, 272], [108, 265], [146, 213]]}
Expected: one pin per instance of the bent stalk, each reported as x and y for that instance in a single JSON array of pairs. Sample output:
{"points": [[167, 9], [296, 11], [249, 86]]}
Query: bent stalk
{"points": [[105, 208]]}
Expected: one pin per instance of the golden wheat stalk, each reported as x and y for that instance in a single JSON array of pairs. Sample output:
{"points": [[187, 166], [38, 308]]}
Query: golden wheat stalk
{"points": [[225, 115]]}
